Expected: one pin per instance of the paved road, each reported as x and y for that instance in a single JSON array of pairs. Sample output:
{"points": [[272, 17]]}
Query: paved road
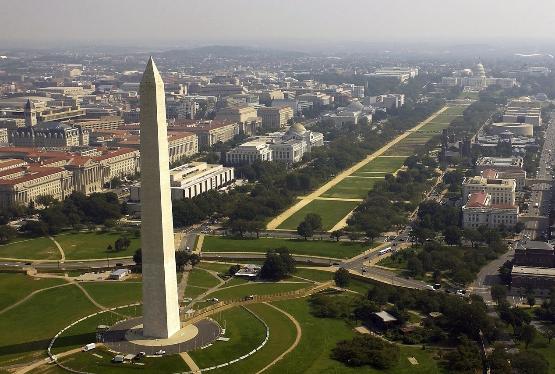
{"points": [[542, 192], [488, 276], [208, 332]]}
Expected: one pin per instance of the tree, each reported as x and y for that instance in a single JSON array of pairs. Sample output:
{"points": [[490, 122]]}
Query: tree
{"points": [[353, 236], [366, 350], [452, 235], [7, 233], [314, 220], [46, 200], [35, 228], [183, 259], [465, 359], [420, 234], [372, 232], [233, 269], [278, 264], [336, 234], [109, 248], [549, 332], [472, 235], [342, 278], [499, 293], [414, 266], [531, 300], [138, 257], [305, 230], [118, 245], [530, 362], [527, 335]]}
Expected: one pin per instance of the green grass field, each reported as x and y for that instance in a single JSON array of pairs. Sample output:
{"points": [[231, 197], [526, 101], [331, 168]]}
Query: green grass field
{"points": [[214, 266], [33, 249], [112, 294], [314, 275], [330, 211], [324, 248], [352, 188], [282, 336], [258, 288], [321, 334], [80, 246], [245, 333], [16, 286], [76, 246], [87, 362], [382, 164], [28, 328], [199, 282]]}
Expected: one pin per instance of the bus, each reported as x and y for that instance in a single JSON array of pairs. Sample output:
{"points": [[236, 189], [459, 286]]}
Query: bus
{"points": [[384, 251]]}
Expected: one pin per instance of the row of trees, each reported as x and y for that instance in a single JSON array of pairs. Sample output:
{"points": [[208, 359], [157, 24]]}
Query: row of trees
{"points": [[182, 259], [388, 203]]}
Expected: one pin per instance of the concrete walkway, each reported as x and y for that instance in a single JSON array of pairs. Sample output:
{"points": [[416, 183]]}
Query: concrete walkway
{"points": [[273, 224], [190, 362], [62, 254], [295, 343], [45, 361]]}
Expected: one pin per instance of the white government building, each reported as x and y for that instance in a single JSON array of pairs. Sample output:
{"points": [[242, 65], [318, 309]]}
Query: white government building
{"points": [[502, 191], [190, 180], [289, 146], [479, 211]]}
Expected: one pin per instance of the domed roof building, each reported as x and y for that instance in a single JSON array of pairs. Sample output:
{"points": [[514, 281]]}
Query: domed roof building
{"points": [[297, 128], [479, 70]]}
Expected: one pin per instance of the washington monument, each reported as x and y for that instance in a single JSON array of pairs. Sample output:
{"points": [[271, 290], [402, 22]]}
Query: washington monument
{"points": [[160, 301]]}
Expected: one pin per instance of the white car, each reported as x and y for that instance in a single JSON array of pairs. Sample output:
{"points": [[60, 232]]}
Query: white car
{"points": [[160, 352]]}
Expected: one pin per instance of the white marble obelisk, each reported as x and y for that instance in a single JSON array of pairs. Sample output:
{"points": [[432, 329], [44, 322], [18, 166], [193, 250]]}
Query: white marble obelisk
{"points": [[160, 300]]}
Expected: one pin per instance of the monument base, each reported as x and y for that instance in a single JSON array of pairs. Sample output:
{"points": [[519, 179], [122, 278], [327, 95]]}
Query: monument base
{"points": [[127, 337]]}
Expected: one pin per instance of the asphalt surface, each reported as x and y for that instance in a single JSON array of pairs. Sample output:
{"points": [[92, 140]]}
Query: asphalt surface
{"points": [[542, 192], [208, 332]]}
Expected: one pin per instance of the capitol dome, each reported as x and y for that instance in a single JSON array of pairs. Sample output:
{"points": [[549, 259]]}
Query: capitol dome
{"points": [[297, 128], [480, 71]]}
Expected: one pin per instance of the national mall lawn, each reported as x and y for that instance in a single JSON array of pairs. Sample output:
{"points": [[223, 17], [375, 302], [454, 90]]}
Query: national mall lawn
{"points": [[311, 247]]}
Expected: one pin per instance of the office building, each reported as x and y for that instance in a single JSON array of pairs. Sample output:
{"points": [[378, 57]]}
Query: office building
{"points": [[275, 118], [479, 210], [502, 191]]}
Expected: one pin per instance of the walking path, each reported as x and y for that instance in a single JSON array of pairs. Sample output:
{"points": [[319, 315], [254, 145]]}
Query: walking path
{"points": [[37, 364], [62, 254], [190, 362], [295, 343], [30, 296], [312, 196], [339, 225]]}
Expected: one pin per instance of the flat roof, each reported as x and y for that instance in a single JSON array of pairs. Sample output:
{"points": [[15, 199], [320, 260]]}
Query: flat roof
{"points": [[534, 271]]}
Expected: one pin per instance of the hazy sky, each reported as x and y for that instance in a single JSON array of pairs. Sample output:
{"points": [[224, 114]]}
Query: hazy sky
{"points": [[194, 22]]}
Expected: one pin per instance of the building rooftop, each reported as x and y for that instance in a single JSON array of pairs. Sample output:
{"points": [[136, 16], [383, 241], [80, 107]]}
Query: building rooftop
{"points": [[533, 271], [524, 245], [477, 199], [385, 316]]}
